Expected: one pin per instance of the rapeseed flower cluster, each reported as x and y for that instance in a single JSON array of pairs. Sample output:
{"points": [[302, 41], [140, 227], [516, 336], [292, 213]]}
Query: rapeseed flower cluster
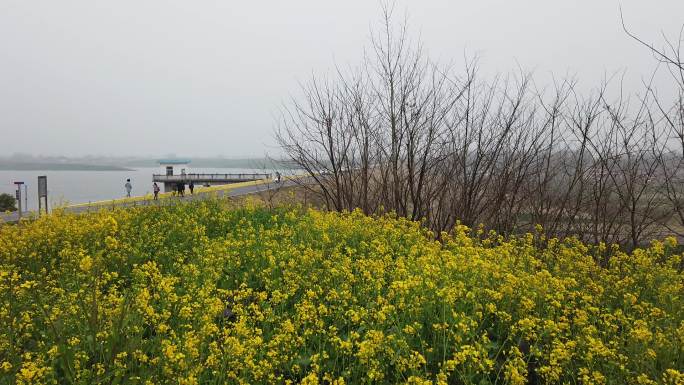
{"points": [[202, 293]]}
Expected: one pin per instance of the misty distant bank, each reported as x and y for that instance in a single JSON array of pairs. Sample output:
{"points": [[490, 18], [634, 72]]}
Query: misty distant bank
{"points": [[30, 163]]}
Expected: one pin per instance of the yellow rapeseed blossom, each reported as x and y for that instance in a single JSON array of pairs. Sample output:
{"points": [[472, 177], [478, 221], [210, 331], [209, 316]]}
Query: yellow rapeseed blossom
{"points": [[86, 263], [220, 292]]}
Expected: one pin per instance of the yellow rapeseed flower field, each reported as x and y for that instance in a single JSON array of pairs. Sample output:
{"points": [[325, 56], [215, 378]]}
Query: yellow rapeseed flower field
{"points": [[202, 293]]}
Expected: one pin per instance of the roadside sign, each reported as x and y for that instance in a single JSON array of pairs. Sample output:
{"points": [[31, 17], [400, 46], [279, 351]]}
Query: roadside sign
{"points": [[42, 186], [18, 192]]}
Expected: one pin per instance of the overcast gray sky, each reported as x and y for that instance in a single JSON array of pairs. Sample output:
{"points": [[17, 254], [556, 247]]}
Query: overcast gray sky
{"points": [[207, 77]]}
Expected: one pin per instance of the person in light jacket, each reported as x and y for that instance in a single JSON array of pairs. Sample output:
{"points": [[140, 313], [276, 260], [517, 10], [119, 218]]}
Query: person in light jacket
{"points": [[129, 187]]}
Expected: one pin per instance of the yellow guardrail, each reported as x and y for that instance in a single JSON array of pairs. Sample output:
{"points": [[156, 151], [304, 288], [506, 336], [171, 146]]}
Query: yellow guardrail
{"points": [[168, 195]]}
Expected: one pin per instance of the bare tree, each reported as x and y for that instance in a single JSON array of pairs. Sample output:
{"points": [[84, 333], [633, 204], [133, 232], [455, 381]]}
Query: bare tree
{"points": [[402, 134], [671, 117]]}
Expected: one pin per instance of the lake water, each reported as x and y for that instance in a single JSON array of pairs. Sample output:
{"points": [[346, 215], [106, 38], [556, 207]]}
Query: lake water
{"points": [[70, 187]]}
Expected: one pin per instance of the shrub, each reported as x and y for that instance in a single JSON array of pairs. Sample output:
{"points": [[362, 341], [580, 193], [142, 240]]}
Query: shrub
{"points": [[7, 202]]}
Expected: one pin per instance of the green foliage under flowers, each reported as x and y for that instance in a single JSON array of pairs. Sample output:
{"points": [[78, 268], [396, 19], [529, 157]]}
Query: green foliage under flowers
{"points": [[203, 293]]}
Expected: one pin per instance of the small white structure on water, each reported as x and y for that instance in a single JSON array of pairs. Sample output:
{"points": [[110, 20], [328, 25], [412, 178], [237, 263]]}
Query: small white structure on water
{"points": [[170, 166], [173, 167]]}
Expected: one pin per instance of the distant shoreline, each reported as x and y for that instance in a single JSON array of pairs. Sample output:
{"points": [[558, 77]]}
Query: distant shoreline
{"points": [[59, 167], [127, 164]]}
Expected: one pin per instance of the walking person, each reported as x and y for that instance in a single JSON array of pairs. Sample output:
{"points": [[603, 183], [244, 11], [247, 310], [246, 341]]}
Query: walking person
{"points": [[129, 188], [277, 177], [192, 188], [155, 189]]}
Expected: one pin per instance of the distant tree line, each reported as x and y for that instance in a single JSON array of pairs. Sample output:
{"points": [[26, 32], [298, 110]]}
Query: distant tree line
{"points": [[402, 134]]}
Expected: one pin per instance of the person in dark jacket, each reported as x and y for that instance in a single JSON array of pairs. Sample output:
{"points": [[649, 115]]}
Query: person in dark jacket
{"points": [[155, 189]]}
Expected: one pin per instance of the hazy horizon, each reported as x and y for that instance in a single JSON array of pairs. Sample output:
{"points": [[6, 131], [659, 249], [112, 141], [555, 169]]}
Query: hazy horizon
{"points": [[132, 79], [32, 157]]}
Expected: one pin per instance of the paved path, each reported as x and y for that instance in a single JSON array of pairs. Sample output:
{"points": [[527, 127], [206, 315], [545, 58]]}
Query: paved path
{"points": [[233, 192]]}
